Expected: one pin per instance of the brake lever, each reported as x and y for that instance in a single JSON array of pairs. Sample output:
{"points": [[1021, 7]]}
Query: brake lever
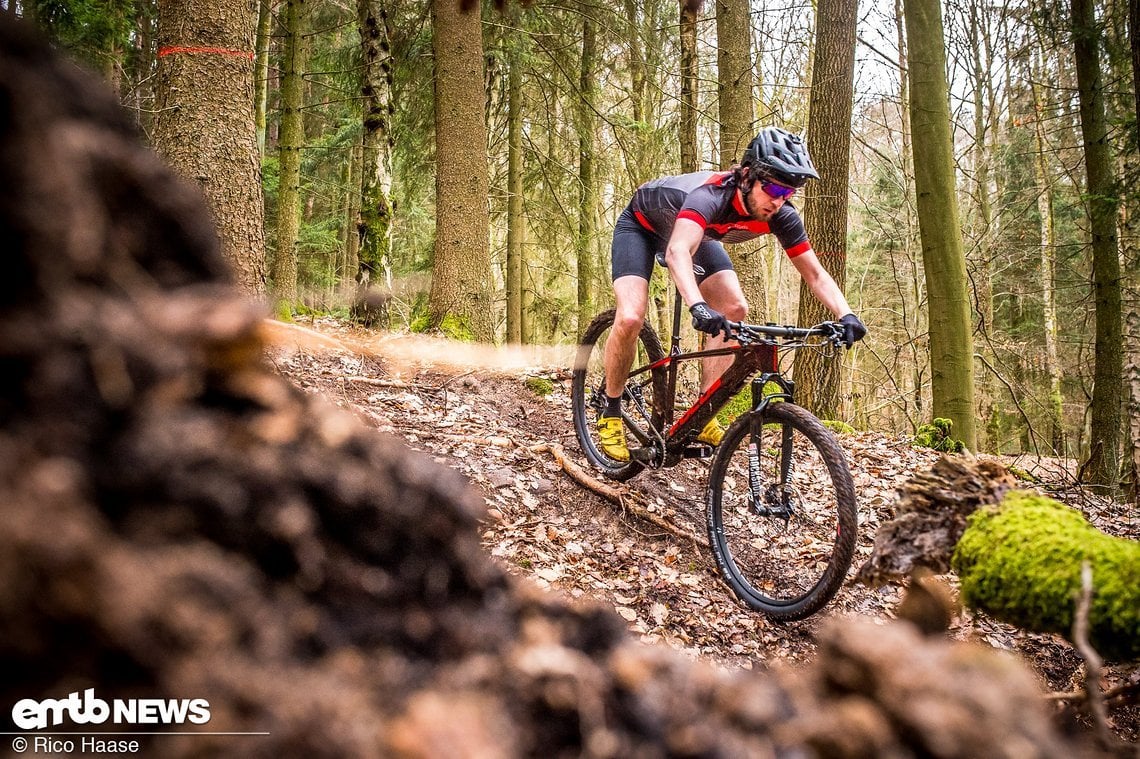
{"points": [[836, 331]]}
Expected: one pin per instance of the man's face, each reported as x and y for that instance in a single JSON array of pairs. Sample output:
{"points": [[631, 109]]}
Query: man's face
{"points": [[766, 198]]}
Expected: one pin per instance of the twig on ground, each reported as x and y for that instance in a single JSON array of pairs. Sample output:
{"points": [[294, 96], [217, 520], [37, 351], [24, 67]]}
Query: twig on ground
{"points": [[382, 383], [1093, 662]]}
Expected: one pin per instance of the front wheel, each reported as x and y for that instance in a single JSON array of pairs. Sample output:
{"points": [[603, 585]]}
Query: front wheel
{"points": [[639, 401], [781, 512]]}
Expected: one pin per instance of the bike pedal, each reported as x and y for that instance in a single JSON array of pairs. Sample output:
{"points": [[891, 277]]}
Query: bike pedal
{"points": [[698, 451]]}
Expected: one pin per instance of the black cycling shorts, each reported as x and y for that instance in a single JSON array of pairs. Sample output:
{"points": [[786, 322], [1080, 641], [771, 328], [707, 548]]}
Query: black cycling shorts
{"points": [[635, 247]]}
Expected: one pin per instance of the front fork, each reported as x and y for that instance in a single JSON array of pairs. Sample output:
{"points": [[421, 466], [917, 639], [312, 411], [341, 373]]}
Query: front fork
{"points": [[776, 499]]}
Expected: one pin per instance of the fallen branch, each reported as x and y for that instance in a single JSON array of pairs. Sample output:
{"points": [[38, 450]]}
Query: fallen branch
{"points": [[612, 494], [381, 382], [1093, 662]]}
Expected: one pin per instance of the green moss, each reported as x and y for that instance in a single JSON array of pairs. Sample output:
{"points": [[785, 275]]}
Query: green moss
{"points": [[541, 386], [283, 311], [1023, 474], [937, 436], [841, 428], [742, 403], [457, 328], [739, 404], [1021, 561]]}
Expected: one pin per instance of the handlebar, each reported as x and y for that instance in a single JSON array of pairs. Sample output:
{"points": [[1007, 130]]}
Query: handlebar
{"points": [[746, 334]]}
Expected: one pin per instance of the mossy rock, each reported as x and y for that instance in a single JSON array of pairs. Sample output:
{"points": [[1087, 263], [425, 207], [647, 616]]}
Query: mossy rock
{"points": [[1020, 561], [540, 386], [838, 427]]}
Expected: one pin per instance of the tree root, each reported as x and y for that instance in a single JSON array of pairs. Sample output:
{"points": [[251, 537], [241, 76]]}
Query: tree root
{"points": [[618, 496]]}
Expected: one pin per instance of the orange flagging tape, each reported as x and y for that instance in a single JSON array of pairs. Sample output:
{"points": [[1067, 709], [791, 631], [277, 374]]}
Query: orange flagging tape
{"points": [[207, 50]]}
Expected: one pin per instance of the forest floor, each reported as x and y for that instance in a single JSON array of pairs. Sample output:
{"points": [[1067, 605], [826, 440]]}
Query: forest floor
{"points": [[474, 411]]}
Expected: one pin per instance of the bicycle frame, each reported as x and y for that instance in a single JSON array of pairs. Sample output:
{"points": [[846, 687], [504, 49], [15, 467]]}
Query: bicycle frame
{"points": [[673, 438]]}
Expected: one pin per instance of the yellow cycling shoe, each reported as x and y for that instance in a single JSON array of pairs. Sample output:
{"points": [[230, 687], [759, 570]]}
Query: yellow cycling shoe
{"points": [[611, 430], [712, 434]]}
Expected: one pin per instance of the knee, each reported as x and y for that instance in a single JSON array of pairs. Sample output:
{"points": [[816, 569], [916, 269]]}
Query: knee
{"points": [[628, 321], [736, 310]]}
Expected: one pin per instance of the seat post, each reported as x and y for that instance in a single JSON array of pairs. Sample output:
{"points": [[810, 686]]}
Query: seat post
{"points": [[675, 342]]}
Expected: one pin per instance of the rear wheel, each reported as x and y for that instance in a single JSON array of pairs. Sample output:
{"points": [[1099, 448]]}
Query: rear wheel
{"points": [[639, 401], [781, 512]]}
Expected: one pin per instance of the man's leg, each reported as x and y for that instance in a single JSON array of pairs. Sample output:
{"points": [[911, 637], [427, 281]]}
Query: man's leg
{"points": [[631, 294], [721, 291]]}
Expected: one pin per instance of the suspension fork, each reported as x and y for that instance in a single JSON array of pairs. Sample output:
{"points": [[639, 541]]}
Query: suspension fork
{"points": [[760, 401]]}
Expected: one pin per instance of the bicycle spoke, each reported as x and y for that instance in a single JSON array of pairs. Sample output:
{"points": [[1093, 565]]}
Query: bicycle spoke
{"points": [[783, 532], [588, 397]]}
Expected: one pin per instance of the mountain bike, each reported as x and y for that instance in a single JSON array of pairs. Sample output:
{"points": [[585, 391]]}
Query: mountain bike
{"points": [[780, 506]]}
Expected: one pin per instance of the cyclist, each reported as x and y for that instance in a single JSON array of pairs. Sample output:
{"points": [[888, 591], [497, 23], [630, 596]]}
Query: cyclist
{"points": [[685, 219]]}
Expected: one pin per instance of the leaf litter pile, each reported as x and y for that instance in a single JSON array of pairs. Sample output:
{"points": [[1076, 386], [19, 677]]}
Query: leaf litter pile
{"points": [[639, 546]]}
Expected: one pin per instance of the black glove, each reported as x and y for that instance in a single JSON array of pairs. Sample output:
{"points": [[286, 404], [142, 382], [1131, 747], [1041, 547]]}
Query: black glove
{"points": [[709, 320], [853, 330]]}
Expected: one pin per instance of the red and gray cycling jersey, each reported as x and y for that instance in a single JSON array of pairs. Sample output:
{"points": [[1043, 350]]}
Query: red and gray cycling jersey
{"points": [[709, 198]]}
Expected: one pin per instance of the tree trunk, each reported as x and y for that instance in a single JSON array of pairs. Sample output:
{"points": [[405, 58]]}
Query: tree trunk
{"points": [[261, 70], [1134, 44], [951, 342], [913, 296], [587, 186], [689, 62], [984, 222], [349, 264], [290, 141], [1102, 466], [825, 207], [1132, 466], [734, 79], [1048, 278], [374, 275], [737, 125], [1021, 562], [204, 122], [515, 194], [460, 300]]}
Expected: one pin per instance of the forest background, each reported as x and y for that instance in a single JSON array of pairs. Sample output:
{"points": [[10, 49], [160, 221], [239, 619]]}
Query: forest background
{"points": [[416, 167]]}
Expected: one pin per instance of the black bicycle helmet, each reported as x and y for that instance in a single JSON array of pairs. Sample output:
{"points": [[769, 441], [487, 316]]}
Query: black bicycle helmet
{"points": [[781, 155]]}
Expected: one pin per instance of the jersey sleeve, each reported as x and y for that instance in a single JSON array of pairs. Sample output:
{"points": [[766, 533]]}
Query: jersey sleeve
{"points": [[701, 205], [788, 228]]}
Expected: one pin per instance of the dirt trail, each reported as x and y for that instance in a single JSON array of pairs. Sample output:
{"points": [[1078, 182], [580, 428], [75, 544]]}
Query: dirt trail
{"points": [[485, 423]]}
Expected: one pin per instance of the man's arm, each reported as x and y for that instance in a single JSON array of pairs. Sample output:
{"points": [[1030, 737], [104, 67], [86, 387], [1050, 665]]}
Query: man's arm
{"points": [[683, 242], [821, 283]]}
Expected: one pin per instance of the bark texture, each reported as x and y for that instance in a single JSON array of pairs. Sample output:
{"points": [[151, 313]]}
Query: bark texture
{"points": [[1103, 464], [291, 140], [204, 125], [180, 520], [460, 298], [374, 228], [825, 209], [930, 517], [943, 259]]}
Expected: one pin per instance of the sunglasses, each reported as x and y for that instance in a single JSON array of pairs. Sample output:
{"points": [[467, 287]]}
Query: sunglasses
{"points": [[776, 190]]}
